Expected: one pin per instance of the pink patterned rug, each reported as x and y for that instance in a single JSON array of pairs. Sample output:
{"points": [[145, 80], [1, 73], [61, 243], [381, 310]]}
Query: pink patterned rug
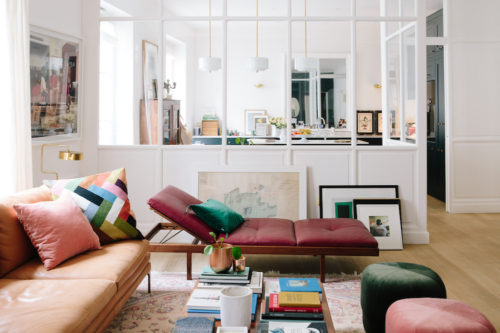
{"points": [[158, 311]]}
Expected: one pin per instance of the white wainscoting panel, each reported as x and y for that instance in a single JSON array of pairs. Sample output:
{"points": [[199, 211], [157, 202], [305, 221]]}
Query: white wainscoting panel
{"points": [[323, 168], [144, 178]]}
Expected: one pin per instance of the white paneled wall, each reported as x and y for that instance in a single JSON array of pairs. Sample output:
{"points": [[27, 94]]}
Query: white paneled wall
{"points": [[149, 169]]}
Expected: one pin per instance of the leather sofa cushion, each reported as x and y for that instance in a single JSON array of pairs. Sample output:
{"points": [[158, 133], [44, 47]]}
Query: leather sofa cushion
{"points": [[115, 262], [52, 306], [263, 231], [172, 202], [337, 232], [15, 246]]}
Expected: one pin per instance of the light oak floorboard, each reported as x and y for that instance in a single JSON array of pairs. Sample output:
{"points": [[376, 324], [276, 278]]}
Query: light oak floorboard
{"points": [[464, 250]]}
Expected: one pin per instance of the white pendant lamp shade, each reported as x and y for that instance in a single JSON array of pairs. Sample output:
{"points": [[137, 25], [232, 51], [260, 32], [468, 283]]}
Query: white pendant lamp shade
{"points": [[209, 64], [258, 64], [306, 64]]}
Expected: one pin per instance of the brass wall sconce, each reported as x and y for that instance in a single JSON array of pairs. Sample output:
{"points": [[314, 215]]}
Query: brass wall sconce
{"points": [[377, 86], [66, 155]]}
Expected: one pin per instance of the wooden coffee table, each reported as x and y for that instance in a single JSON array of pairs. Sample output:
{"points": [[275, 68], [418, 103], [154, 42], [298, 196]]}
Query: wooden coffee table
{"points": [[253, 328]]}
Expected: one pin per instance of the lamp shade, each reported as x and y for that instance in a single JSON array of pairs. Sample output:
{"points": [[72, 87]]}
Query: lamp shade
{"points": [[258, 64], [209, 64], [306, 64]]}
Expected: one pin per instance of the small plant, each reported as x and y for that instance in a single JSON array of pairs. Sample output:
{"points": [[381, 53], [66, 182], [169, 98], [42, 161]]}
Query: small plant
{"points": [[236, 250], [240, 141], [279, 122]]}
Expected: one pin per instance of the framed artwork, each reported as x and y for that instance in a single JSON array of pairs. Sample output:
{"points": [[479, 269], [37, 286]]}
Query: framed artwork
{"points": [[383, 218], [249, 120], [337, 200], [54, 83], [150, 70], [272, 193], [380, 124], [260, 125], [365, 122]]}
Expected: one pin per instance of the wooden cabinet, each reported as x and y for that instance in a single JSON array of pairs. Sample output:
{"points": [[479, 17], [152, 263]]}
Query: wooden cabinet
{"points": [[170, 122]]}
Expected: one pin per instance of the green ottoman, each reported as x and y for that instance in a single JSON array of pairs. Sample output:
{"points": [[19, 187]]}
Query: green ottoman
{"points": [[383, 284]]}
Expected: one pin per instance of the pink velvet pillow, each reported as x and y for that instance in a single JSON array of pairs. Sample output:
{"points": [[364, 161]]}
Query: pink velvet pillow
{"points": [[58, 229]]}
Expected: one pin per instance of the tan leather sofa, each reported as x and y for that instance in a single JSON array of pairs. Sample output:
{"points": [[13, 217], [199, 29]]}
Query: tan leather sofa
{"points": [[82, 294]]}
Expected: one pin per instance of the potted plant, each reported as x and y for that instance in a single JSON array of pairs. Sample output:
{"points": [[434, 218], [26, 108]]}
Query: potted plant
{"points": [[221, 254], [239, 261]]}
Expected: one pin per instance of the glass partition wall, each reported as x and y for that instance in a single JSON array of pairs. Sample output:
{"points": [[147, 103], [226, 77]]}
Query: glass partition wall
{"points": [[281, 72]]}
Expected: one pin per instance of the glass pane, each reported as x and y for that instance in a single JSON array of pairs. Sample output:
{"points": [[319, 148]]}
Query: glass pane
{"points": [[393, 87], [191, 7], [54, 81], [408, 8], [248, 7], [368, 72], [409, 74], [255, 97], [321, 7], [196, 91], [367, 7], [125, 49], [119, 8], [435, 27]]}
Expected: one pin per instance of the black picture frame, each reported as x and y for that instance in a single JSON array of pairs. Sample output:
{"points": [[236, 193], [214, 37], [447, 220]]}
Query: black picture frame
{"points": [[365, 122], [378, 122], [333, 196], [382, 217]]}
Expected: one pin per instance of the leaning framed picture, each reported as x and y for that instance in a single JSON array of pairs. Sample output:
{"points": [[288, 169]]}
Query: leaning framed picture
{"points": [[249, 119], [260, 125], [150, 63], [383, 218], [336, 200], [380, 124], [365, 122]]}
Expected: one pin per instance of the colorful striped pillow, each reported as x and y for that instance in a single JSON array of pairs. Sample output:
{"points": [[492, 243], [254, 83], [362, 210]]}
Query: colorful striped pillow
{"points": [[103, 198]]}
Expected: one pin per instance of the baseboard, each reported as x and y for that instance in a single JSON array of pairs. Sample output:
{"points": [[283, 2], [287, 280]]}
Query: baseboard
{"points": [[415, 237], [460, 206]]}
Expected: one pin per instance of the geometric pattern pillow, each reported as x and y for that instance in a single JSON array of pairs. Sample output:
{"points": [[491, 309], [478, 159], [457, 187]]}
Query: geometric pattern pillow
{"points": [[103, 198]]}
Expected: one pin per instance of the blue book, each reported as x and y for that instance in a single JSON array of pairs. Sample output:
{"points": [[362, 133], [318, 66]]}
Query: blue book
{"points": [[300, 284], [216, 313]]}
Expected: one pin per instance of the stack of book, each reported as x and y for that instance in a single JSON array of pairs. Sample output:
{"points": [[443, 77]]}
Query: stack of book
{"points": [[255, 284], [230, 277], [297, 298]]}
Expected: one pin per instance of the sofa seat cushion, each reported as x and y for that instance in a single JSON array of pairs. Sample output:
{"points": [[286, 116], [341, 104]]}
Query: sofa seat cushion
{"points": [[263, 231], [338, 232], [15, 246], [115, 262], [52, 305]]}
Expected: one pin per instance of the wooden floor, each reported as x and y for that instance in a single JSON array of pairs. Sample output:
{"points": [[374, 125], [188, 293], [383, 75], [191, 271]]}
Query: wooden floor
{"points": [[464, 251]]}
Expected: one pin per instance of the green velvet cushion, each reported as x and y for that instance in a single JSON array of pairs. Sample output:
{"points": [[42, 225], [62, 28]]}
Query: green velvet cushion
{"points": [[218, 216], [384, 283]]}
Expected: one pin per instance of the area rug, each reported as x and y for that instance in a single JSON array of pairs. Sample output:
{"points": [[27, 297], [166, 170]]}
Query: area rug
{"points": [[157, 312]]}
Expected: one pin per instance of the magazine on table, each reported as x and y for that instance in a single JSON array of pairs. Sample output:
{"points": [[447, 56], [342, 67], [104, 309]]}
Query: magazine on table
{"points": [[255, 284]]}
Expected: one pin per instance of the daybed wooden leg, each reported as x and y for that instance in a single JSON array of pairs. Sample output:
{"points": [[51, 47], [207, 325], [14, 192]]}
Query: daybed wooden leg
{"points": [[189, 263], [322, 268], [149, 283]]}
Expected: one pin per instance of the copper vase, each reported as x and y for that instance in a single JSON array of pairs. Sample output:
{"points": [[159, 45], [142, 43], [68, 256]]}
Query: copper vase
{"points": [[221, 259]]}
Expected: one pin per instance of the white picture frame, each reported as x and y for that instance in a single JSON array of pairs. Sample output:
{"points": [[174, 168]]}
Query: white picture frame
{"points": [[382, 217], [249, 119], [285, 188], [332, 196]]}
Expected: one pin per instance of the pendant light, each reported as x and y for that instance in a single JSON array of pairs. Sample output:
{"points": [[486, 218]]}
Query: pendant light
{"points": [[209, 63], [257, 63], [306, 64]]}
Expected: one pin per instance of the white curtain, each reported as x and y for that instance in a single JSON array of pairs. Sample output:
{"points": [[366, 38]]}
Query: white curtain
{"points": [[15, 131]]}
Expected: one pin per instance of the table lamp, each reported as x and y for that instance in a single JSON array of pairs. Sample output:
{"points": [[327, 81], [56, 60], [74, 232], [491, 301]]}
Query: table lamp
{"points": [[66, 155]]}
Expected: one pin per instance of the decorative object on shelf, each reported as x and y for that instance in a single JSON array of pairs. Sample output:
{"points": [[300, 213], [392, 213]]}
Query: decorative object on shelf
{"points": [[239, 261], [66, 155], [260, 125], [379, 121], [220, 254], [336, 200], [365, 122], [167, 86], [209, 64], [236, 306], [257, 63], [377, 86], [54, 75], [305, 63], [383, 218], [249, 123]]}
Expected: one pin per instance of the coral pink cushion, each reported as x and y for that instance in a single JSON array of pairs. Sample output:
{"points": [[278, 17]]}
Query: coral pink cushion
{"points": [[58, 229], [429, 315]]}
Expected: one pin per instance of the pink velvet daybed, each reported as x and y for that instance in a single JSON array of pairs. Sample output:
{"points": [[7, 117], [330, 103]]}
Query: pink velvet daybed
{"points": [[337, 236]]}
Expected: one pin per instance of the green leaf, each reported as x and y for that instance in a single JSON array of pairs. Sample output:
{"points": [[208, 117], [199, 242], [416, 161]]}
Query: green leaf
{"points": [[211, 233], [236, 252], [221, 240], [208, 250], [237, 141]]}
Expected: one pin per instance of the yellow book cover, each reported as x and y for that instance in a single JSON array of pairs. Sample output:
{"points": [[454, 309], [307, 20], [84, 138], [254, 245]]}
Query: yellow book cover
{"points": [[299, 299]]}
